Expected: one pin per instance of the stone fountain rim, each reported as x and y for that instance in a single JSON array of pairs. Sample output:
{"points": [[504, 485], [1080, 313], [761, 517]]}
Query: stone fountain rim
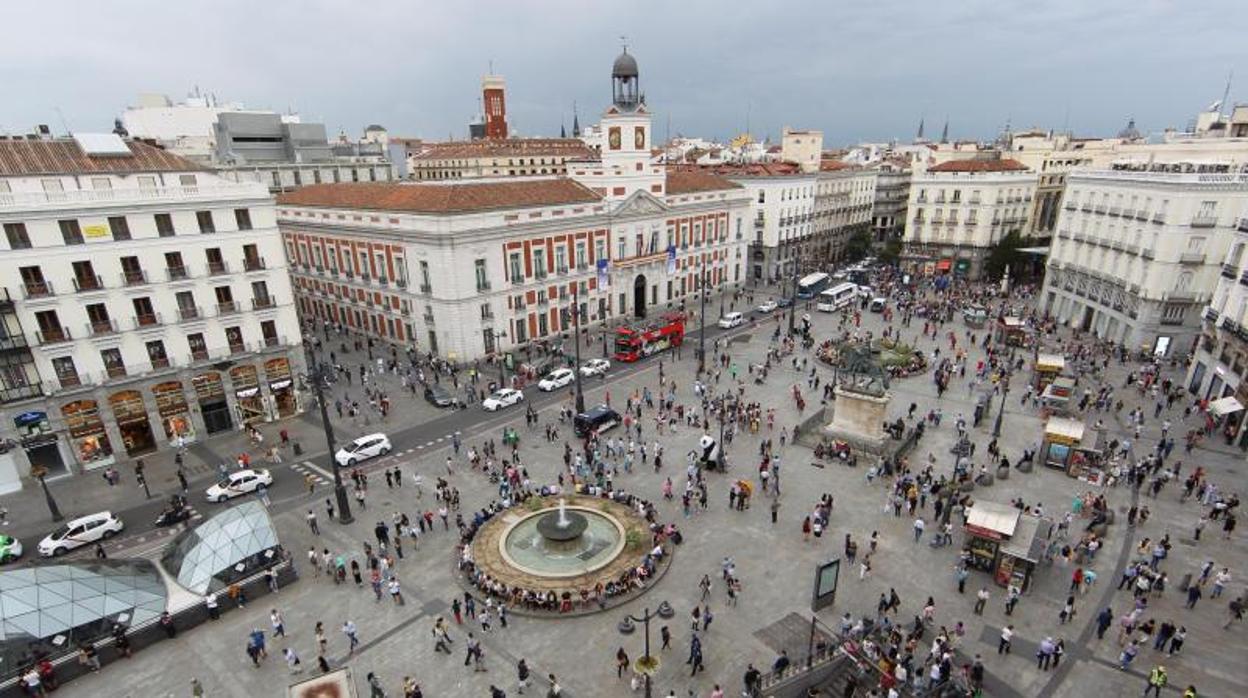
{"points": [[616, 549]]}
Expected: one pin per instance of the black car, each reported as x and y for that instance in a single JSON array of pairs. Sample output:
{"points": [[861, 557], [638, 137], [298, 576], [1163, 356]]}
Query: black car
{"points": [[784, 302], [439, 396], [595, 421]]}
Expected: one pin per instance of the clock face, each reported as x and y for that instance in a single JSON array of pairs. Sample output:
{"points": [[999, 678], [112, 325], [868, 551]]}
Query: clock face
{"points": [[613, 138], [639, 138]]}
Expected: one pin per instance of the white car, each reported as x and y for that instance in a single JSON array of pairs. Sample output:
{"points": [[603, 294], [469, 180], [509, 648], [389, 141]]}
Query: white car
{"points": [[499, 399], [595, 367], [731, 320], [363, 448], [237, 483], [767, 307], [556, 379], [79, 532]]}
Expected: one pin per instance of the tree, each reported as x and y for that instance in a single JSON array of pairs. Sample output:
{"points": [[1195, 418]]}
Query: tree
{"points": [[1004, 254], [891, 252], [858, 245]]}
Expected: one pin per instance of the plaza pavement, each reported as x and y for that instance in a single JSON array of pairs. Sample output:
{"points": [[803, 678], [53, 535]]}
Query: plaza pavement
{"points": [[775, 565]]}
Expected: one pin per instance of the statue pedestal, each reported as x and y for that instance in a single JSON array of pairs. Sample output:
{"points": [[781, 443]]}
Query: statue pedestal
{"points": [[859, 418]]}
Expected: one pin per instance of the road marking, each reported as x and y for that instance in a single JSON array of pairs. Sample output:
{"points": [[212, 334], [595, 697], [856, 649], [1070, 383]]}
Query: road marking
{"points": [[317, 469], [428, 444]]}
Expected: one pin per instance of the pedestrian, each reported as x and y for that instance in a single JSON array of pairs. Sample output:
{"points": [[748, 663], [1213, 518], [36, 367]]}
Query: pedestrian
{"points": [[666, 635], [353, 639], [1103, 620], [1128, 655], [621, 662], [278, 623], [1007, 634], [374, 686], [213, 606], [456, 609], [981, 599], [316, 530], [1012, 595], [396, 594], [292, 661], [919, 525], [522, 676]]}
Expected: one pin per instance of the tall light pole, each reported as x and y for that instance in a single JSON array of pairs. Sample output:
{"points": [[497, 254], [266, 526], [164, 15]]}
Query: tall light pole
{"points": [[319, 376], [40, 472], [793, 298], [576, 330], [646, 659], [702, 329]]}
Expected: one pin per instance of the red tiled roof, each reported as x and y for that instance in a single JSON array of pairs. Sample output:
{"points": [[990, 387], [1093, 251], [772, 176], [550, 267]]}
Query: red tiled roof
{"points": [[441, 198], [64, 156], [835, 166], [752, 169], [975, 165], [693, 180], [507, 147]]}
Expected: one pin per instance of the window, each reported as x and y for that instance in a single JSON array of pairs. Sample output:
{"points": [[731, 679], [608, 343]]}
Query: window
{"points": [[197, 345], [97, 316], [144, 315], [114, 365], [234, 338], [66, 372], [156, 354], [186, 305], [216, 263], [101, 183], [164, 225], [268, 331], [515, 268], [147, 182], [483, 282], [84, 277], [260, 295], [424, 276], [119, 227], [486, 312], [71, 232], [132, 271], [205, 222], [622, 251], [539, 262], [186, 180], [16, 233], [243, 218], [561, 258]]}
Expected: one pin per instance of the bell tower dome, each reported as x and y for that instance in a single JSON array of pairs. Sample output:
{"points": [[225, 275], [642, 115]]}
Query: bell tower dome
{"points": [[625, 82]]}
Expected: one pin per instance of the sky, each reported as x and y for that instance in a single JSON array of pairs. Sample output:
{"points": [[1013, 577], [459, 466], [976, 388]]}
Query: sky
{"points": [[857, 70]]}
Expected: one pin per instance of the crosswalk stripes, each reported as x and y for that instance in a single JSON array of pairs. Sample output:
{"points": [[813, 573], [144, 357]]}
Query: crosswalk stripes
{"points": [[319, 474]]}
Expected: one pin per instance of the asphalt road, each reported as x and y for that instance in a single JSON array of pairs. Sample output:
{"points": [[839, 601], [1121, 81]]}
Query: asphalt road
{"points": [[142, 537]]}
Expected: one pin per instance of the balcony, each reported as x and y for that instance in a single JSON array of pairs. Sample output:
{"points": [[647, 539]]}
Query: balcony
{"points": [[14, 342], [1229, 271], [1192, 258], [69, 380], [487, 316], [272, 342], [53, 335], [1159, 218], [253, 264], [38, 289], [160, 363], [115, 371], [199, 355], [1243, 278], [100, 328], [1186, 295], [187, 313], [364, 276], [1146, 253], [178, 273], [131, 195], [85, 284], [1210, 314], [1204, 221], [401, 283], [384, 281], [1114, 211], [239, 348], [482, 285], [146, 320], [227, 308], [263, 302], [133, 277], [561, 271], [428, 318], [218, 267], [426, 289]]}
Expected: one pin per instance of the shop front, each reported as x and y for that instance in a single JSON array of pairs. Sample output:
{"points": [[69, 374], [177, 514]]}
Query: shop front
{"points": [[1005, 542], [131, 416], [1063, 448], [247, 395], [281, 386], [213, 405], [962, 267], [1058, 397], [86, 434], [1012, 331], [943, 266], [1047, 368], [175, 414], [41, 443]]}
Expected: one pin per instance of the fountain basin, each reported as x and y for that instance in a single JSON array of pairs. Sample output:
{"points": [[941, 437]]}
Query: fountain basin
{"points": [[538, 545]]}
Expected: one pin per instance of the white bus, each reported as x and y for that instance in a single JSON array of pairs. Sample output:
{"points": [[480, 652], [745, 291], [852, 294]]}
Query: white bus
{"points": [[812, 284], [838, 297]]}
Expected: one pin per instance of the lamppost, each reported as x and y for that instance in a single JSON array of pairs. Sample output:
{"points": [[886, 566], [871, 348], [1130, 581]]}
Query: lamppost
{"points": [[498, 357], [702, 329], [723, 415], [793, 298], [576, 329], [646, 661], [319, 377], [1005, 393], [40, 472]]}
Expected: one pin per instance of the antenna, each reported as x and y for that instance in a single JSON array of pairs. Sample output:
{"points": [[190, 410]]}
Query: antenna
{"points": [[1227, 93], [64, 123], [491, 63]]}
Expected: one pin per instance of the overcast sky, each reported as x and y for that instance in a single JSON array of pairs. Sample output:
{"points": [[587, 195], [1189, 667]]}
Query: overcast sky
{"points": [[858, 70]]}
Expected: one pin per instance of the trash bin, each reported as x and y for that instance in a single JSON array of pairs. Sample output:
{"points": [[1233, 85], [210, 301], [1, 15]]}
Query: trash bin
{"points": [[298, 449]]}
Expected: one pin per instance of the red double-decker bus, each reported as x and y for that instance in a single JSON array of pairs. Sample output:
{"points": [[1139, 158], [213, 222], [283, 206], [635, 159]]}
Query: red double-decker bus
{"points": [[633, 342]]}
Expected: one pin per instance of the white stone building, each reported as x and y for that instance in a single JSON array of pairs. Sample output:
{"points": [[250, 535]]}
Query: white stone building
{"points": [[802, 147], [959, 209], [144, 299], [473, 268], [1219, 368], [1139, 248]]}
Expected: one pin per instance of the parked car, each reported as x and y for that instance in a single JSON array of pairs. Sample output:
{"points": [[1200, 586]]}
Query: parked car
{"points": [[504, 397], [595, 421], [238, 483], [439, 396], [556, 379], [10, 549], [768, 307], [595, 367], [784, 302], [81, 531], [363, 448], [730, 320]]}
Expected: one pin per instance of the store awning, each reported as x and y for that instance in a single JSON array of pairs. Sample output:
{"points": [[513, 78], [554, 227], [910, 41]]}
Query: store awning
{"points": [[1063, 430], [1039, 251], [1225, 406], [1030, 539], [944, 265], [998, 519], [1050, 362]]}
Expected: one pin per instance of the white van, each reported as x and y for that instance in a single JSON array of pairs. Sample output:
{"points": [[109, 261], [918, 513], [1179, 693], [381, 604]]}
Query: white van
{"points": [[878, 303], [730, 320]]}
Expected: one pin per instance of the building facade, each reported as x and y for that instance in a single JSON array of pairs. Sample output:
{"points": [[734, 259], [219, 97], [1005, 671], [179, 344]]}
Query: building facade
{"points": [[471, 269], [1219, 368], [892, 192], [489, 158], [1139, 249], [146, 301], [959, 209], [802, 147]]}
